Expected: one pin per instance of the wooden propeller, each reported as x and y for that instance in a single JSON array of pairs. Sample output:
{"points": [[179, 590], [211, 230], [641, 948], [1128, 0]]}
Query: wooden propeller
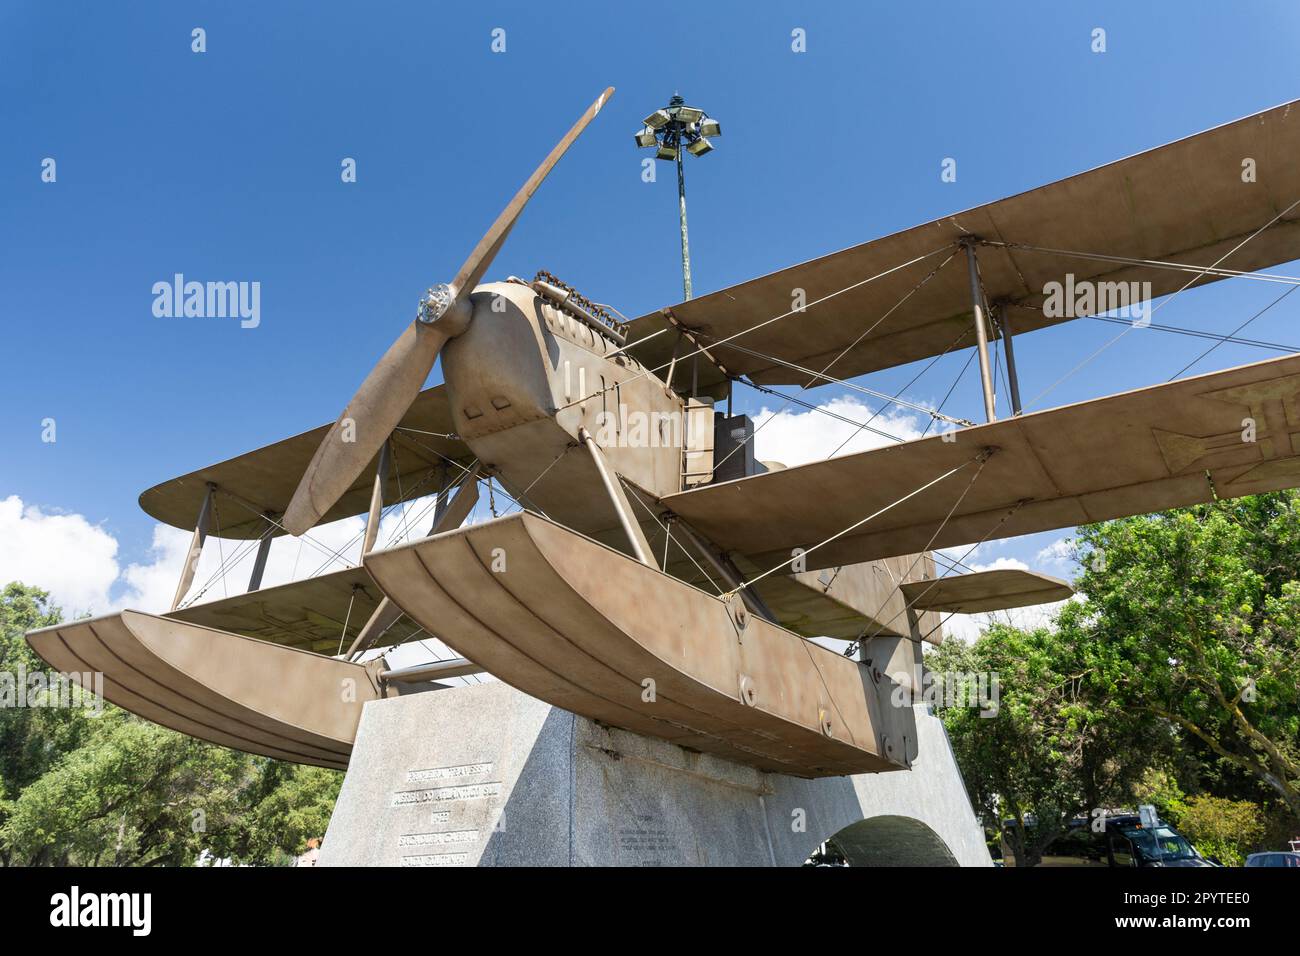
{"points": [[390, 388]]}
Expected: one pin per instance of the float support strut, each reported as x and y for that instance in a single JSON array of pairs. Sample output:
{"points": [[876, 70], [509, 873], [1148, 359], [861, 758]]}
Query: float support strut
{"points": [[635, 536]]}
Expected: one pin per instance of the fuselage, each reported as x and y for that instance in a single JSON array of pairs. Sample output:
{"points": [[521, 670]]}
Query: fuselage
{"points": [[526, 377], [522, 381]]}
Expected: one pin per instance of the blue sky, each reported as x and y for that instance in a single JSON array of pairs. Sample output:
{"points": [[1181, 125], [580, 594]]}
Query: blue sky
{"points": [[225, 166]]}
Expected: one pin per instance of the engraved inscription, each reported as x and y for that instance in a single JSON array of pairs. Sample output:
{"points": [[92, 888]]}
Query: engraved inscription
{"points": [[436, 859], [447, 773], [468, 791], [648, 844], [437, 839]]}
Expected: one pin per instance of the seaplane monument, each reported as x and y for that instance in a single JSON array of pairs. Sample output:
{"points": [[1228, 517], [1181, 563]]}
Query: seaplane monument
{"points": [[648, 612]]}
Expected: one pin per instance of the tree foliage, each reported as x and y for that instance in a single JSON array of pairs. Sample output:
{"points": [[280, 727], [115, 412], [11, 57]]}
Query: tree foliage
{"points": [[1226, 829], [76, 788], [1179, 666], [1193, 616], [1050, 751]]}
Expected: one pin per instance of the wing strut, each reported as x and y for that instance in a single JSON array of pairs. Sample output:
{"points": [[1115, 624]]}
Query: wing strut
{"points": [[635, 536], [196, 547], [981, 329], [453, 515], [1013, 380], [727, 568]]}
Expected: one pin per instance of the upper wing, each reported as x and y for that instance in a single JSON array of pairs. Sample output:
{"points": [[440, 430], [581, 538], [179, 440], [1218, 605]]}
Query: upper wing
{"points": [[1155, 448], [1185, 201], [266, 478]]}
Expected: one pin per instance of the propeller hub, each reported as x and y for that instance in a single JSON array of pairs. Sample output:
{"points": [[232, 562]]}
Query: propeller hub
{"points": [[435, 303]]}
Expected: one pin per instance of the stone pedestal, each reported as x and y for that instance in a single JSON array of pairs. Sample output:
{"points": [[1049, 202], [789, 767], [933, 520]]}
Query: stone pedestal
{"points": [[484, 775]]}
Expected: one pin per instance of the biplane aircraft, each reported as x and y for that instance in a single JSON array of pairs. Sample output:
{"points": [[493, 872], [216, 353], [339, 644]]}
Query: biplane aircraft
{"points": [[686, 565]]}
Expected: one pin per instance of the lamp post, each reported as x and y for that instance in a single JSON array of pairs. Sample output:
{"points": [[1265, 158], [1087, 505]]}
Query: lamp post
{"points": [[669, 131]]}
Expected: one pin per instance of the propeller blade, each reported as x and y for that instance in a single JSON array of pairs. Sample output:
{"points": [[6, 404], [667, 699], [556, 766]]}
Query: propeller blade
{"points": [[375, 410], [393, 385], [481, 258]]}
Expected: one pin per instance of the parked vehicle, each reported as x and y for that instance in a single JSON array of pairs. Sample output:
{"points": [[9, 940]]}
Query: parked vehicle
{"points": [[1125, 842], [1274, 858]]}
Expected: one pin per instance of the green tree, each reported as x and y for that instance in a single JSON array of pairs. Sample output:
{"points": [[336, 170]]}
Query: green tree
{"points": [[1193, 616], [132, 794], [1050, 751], [32, 739], [291, 805], [118, 790]]}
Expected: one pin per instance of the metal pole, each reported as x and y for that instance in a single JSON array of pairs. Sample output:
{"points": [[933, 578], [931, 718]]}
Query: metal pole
{"points": [[196, 547], [440, 502], [263, 552], [1012, 379], [681, 200], [387, 613], [635, 536], [981, 331], [376, 500], [727, 568], [456, 667]]}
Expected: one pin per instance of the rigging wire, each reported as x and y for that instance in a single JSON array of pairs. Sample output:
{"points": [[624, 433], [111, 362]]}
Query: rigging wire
{"points": [[1162, 303], [804, 403], [1152, 263], [346, 619], [915, 378], [1234, 332], [853, 646], [897, 305], [887, 398], [951, 388], [360, 535], [637, 498], [984, 454], [921, 553], [1222, 339], [703, 350]]}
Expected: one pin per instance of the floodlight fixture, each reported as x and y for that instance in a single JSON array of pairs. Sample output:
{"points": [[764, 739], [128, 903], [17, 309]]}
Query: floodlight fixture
{"points": [[671, 130]]}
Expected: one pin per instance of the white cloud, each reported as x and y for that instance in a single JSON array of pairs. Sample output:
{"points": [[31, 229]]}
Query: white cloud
{"points": [[798, 437], [62, 553], [1060, 552], [77, 561], [1002, 564]]}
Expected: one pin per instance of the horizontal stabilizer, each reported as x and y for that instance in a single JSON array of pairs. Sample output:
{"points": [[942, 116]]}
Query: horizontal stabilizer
{"points": [[995, 590]]}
